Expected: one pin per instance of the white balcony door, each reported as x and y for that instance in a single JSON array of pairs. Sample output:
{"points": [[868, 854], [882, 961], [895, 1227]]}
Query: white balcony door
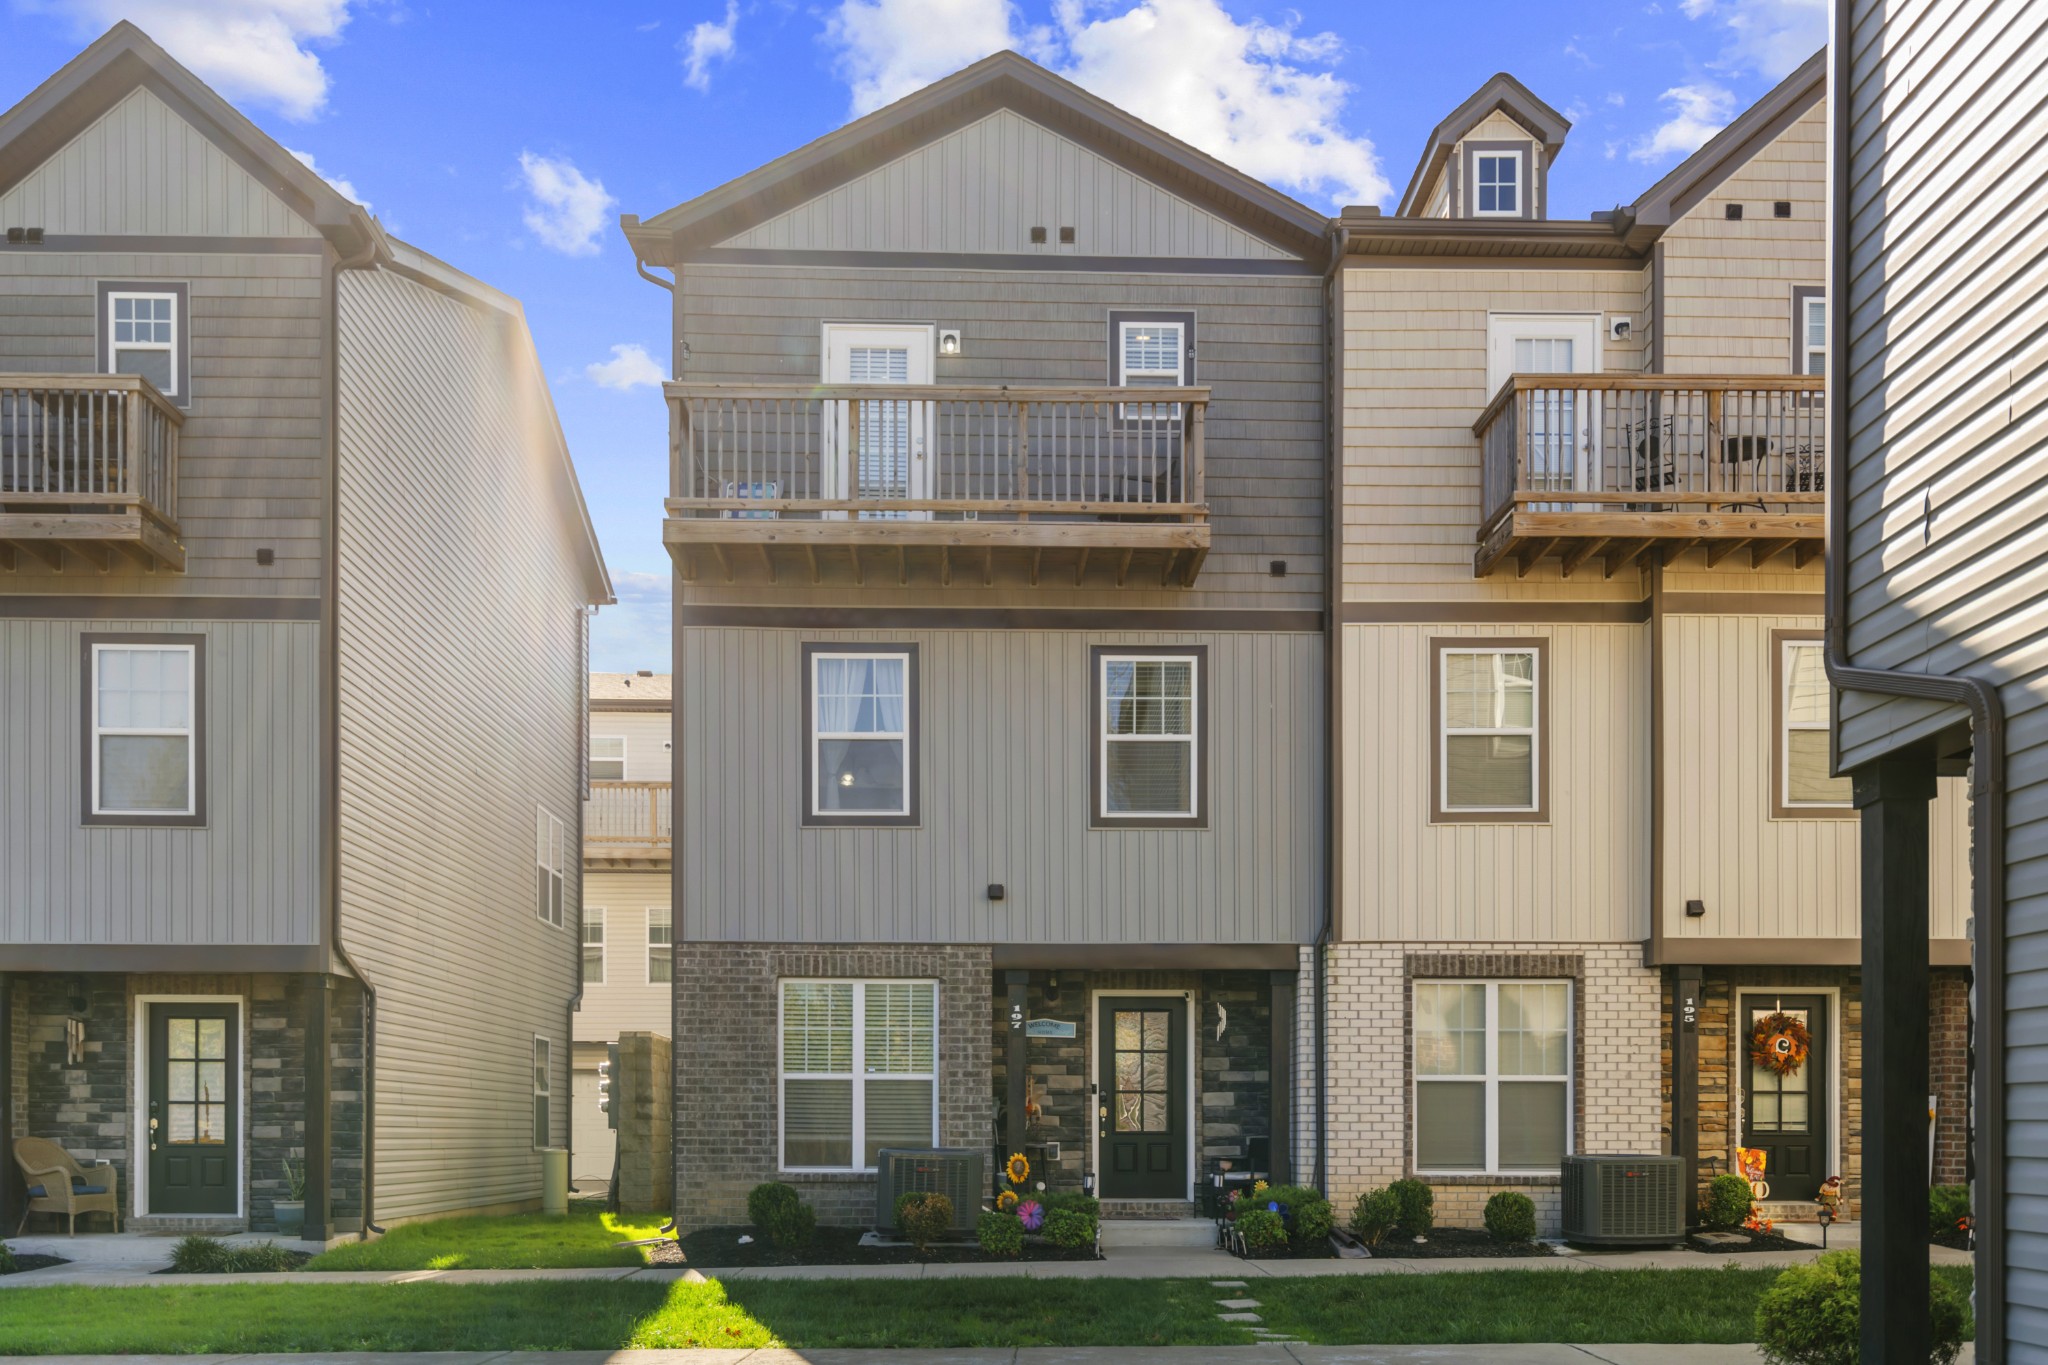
{"points": [[876, 449], [1563, 427]]}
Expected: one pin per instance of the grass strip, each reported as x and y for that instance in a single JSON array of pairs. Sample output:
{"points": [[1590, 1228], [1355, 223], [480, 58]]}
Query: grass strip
{"points": [[583, 1237]]}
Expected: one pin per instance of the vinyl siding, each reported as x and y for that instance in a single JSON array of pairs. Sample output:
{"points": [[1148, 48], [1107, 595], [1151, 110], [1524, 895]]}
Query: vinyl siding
{"points": [[645, 732], [461, 692], [984, 187], [247, 877], [1259, 347], [625, 1000], [1005, 799]]}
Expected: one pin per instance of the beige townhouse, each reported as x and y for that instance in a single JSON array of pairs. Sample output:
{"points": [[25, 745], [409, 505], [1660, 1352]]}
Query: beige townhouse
{"points": [[1587, 845]]}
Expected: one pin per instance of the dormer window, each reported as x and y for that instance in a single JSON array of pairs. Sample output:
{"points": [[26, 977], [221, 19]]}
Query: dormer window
{"points": [[1497, 184]]}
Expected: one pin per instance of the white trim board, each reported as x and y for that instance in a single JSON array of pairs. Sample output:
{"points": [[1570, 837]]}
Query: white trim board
{"points": [[1095, 1084]]}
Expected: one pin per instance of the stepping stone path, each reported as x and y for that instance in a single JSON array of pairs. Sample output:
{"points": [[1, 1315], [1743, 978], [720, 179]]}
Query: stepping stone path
{"points": [[1239, 1310]]}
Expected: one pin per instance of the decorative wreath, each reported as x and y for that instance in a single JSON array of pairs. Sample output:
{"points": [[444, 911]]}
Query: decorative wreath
{"points": [[1779, 1043]]}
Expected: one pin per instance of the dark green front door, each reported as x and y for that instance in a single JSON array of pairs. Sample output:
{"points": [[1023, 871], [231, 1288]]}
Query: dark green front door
{"points": [[1142, 1118], [194, 1108]]}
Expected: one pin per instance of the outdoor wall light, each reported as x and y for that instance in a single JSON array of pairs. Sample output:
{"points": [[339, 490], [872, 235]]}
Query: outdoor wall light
{"points": [[949, 341], [995, 891], [1695, 909]]}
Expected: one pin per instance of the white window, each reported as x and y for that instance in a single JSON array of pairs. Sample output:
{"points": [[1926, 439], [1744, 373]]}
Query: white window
{"points": [[593, 946], [543, 1091], [1493, 1074], [1487, 746], [607, 758], [859, 1071], [142, 331], [1497, 184], [1806, 709], [860, 734], [1152, 354], [144, 701], [548, 867], [660, 946], [1813, 334], [1149, 757]]}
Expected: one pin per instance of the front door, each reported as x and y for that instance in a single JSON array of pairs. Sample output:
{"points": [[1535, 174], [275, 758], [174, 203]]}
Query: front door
{"points": [[194, 1108], [879, 447], [1142, 1123], [1787, 1115]]}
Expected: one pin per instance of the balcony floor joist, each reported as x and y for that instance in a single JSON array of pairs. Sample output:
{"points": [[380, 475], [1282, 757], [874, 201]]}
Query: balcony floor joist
{"points": [[101, 540], [943, 554], [1520, 540]]}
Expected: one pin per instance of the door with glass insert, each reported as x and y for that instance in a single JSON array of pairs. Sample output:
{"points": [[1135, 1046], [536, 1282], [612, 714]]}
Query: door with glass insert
{"points": [[194, 1108], [1787, 1116], [1142, 1099], [878, 446]]}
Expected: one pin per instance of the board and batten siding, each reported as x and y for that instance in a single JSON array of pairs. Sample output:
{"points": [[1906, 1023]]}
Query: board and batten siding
{"points": [[246, 877], [1259, 344], [1005, 749], [461, 696], [1582, 876], [626, 999]]}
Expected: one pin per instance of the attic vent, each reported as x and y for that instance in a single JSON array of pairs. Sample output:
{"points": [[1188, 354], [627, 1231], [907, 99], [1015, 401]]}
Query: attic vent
{"points": [[1782, 209], [644, 673], [1066, 236], [1038, 236], [1734, 212]]}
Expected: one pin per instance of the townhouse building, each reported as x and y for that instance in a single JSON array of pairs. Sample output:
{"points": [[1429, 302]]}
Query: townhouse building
{"points": [[997, 512], [1588, 845], [290, 775]]}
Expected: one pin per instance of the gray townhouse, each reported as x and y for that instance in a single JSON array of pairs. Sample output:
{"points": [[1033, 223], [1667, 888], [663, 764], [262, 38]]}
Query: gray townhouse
{"points": [[997, 505], [295, 580]]}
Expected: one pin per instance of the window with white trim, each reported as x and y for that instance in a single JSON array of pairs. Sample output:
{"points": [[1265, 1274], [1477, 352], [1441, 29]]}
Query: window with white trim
{"points": [[860, 719], [543, 1091], [1806, 710], [1813, 334], [144, 754], [1488, 737], [1497, 184], [142, 337], [859, 1071], [1146, 733], [549, 867], [607, 758], [1493, 1076], [593, 945], [661, 963], [1151, 351]]}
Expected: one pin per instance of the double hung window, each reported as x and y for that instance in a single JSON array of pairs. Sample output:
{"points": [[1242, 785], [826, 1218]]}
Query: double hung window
{"points": [[1805, 716], [1151, 351], [660, 946], [859, 1071], [593, 946], [1497, 184], [144, 705], [1148, 738], [1493, 1076], [143, 331], [607, 758], [1489, 739], [549, 867], [860, 755]]}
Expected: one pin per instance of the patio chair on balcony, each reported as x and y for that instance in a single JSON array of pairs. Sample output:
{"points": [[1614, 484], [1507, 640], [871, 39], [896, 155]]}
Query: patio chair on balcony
{"points": [[1651, 467], [58, 1184]]}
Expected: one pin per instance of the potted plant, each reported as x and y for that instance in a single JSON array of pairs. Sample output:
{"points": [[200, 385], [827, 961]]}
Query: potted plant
{"points": [[290, 1213]]}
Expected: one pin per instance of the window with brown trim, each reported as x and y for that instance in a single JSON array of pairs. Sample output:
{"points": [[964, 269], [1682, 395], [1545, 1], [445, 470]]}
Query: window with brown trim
{"points": [[1487, 726], [1803, 786]]}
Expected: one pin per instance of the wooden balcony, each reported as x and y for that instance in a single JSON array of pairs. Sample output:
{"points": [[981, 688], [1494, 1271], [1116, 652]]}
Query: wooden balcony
{"points": [[937, 484], [88, 470], [628, 824], [1621, 466]]}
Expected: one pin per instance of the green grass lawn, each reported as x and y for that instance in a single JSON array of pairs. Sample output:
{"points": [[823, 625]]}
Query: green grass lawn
{"points": [[584, 1236]]}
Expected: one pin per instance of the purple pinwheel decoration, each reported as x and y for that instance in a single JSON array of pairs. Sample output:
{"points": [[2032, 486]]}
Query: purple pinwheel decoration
{"points": [[1031, 1214]]}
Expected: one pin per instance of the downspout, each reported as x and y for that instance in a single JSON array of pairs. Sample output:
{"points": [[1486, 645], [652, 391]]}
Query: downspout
{"points": [[1333, 488], [1987, 762], [583, 775]]}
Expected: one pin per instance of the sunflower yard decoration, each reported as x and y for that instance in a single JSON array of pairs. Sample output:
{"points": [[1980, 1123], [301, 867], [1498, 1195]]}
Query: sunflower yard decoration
{"points": [[1779, 1043], [1017, 1169]]}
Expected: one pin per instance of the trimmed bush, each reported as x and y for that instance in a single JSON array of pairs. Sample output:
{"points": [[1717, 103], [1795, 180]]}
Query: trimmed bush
{"points": [[1511, 1217], [1000, 1234], [1727, 1202], [1262, 1230], [200, 1256], [1077, 1201], [262, 1257], [1947, 1207], [7, 1263], [780, 1215], [1313, 1217], [1375, 1214], [1418, 1207], [1070, 1228], [924, 1217], [1811, 1315]]}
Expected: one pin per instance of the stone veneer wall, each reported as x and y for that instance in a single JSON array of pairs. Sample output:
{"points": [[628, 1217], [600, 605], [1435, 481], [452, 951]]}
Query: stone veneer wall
{"points": [[1617, 1007], [726, 1067]]}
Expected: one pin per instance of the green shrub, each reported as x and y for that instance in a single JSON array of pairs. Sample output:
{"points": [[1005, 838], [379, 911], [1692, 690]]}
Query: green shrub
{"points": [[1947, 1206], [1727, 1202], [1374, 1215], [1070, 1228], [7, 1264], [780, 1215], [1000, 1234], [1262, 1230], [924, 1217], [1313, 1217], [1418, 1207], [263, 1257], [1811, 1315], [1511, 1217], [1076, 1201], [200, 1256]]}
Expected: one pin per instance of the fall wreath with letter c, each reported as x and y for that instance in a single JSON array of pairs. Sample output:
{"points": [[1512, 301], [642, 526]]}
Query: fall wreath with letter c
{"points": [[1779, 1043]]}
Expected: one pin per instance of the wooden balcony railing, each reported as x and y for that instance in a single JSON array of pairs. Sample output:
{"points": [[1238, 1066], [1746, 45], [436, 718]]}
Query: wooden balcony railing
{"points": [[1615, 465], [938, 468], [88, 464], [627, 819]]}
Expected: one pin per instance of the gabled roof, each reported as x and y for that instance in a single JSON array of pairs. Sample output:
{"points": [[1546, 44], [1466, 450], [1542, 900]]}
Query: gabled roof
{"points": [[1501, 93], [1694, 178], [657, 690], [1005, 80], [123, 58]]}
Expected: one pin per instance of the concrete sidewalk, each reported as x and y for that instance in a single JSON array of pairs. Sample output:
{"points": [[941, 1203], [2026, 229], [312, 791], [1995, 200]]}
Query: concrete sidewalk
{"points": [[1292, 1353]]}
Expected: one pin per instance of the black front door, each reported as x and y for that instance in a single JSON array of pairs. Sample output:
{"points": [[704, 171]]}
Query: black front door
{"points": [[1787, 1116], [1142, 1118], [194, 1109]]}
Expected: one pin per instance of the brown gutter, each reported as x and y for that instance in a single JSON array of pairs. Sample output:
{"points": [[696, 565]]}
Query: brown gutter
{"points": [[1987, 762], [1333, 641]]}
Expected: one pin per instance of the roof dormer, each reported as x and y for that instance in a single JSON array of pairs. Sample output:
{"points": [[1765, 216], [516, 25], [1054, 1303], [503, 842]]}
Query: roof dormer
{"points": [[1490, 158]]}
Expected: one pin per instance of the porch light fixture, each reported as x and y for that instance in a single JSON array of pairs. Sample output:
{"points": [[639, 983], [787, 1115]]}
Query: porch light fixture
{"points": [[1052, 990], [949, 341]]}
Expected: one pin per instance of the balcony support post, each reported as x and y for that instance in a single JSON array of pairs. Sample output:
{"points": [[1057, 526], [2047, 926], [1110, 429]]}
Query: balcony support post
{"points": [[1023, 457]]}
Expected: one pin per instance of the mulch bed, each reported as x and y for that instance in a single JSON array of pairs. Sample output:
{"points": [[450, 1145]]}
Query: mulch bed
{"points": [[1312, 1251], [1955, 1239], [1752, 1241], [24, 1261], [719, 1249], [1446, 1243]]}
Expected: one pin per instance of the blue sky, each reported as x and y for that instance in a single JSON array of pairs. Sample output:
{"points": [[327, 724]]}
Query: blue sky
{"points": [[507, 137]]}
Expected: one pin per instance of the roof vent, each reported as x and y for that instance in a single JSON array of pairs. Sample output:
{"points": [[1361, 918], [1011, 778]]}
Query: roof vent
{"points": [[1066, 236], [644, 673], [1038, 236], [1781, 209]]}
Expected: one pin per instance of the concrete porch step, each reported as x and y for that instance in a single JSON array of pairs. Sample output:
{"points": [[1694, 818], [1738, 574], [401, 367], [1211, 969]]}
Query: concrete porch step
{"points": [[1154, 1209], [1131, 1233]]}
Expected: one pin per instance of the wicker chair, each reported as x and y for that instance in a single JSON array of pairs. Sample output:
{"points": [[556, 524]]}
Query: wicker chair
{"points": [[57, 1184]]}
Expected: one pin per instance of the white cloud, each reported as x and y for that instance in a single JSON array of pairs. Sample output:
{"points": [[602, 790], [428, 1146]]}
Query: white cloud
{"points": [[346, 189], [1698, 112], [566, 209], [1771, 37], [629, 368], [1616, 98], [635, 633], [254, 51], [1257, 95], [706, 44]]}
